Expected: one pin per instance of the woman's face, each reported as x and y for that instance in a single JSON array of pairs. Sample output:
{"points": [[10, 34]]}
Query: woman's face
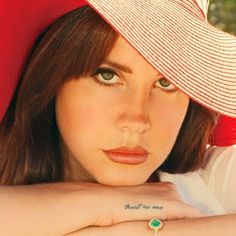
{"points": [[125, 102]]}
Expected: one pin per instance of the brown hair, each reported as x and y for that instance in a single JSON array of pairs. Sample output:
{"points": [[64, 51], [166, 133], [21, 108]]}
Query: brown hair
{"points": [[73, 46], [188, 152]]}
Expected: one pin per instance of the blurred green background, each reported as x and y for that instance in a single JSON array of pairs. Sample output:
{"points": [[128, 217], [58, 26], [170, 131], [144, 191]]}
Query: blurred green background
{"points": [[222, 14]]}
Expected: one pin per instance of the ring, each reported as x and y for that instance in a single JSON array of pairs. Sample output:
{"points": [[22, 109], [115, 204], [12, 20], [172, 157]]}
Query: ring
{"points": [[155, 224]]}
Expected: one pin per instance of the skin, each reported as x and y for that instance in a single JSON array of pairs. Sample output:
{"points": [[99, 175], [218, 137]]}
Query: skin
{"points": [[210, 226], [136, 110]]}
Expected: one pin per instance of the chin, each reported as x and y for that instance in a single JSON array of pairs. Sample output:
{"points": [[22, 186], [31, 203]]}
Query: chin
{"points": [[121, 182]]}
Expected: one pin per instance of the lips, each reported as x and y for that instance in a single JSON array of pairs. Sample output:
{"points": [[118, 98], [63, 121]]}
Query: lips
{"points": [[126, 155]]}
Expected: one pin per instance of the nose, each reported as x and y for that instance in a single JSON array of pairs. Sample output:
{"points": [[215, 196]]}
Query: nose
{"points": [[134, 116]]}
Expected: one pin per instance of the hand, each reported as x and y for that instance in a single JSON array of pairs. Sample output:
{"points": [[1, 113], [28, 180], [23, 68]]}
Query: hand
{"points": [[125, 229], [143, 202], [190, 227]]}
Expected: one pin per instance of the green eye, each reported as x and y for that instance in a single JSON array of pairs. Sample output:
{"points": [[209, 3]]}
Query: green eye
{"points": [[164, 82], [165, 85], [107, 75]]}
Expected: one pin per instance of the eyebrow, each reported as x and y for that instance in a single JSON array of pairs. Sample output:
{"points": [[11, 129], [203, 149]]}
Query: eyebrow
{"points": [[118, 66]]}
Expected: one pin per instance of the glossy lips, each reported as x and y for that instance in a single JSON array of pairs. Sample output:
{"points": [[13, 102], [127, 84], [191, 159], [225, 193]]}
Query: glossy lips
{"points": [[126, 155]]}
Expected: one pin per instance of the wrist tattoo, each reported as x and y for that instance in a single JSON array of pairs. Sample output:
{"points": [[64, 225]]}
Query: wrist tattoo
{"points": [[142, 206]]}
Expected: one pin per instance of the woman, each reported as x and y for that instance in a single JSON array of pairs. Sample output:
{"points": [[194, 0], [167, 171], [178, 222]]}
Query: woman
{"points": [[83, 77]]}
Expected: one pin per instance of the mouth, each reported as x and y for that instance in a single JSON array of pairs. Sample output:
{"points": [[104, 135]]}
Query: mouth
{"points": [[126, 155]]}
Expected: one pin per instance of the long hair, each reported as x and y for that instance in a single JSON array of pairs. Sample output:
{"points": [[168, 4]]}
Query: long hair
{"points": [[73, 46], [188, 152]]}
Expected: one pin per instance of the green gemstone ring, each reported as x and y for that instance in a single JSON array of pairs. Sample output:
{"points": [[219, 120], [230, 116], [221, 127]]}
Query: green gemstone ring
{"points": [[155, 224]]}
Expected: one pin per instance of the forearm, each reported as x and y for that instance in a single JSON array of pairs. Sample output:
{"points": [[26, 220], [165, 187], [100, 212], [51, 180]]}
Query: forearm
{"points": [[47, 209], [210, 226], [58, 209]]}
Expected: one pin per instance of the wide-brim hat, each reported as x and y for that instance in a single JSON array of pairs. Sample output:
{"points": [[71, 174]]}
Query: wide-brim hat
{"points": [[172, 35]]}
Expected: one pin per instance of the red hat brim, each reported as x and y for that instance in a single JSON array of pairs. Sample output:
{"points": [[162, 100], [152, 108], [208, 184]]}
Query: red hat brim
{"points": [[21, 22]]}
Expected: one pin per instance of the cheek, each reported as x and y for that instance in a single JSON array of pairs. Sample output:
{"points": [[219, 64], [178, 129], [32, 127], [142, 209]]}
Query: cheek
{"points": [[168, 117], [81, 115]]}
